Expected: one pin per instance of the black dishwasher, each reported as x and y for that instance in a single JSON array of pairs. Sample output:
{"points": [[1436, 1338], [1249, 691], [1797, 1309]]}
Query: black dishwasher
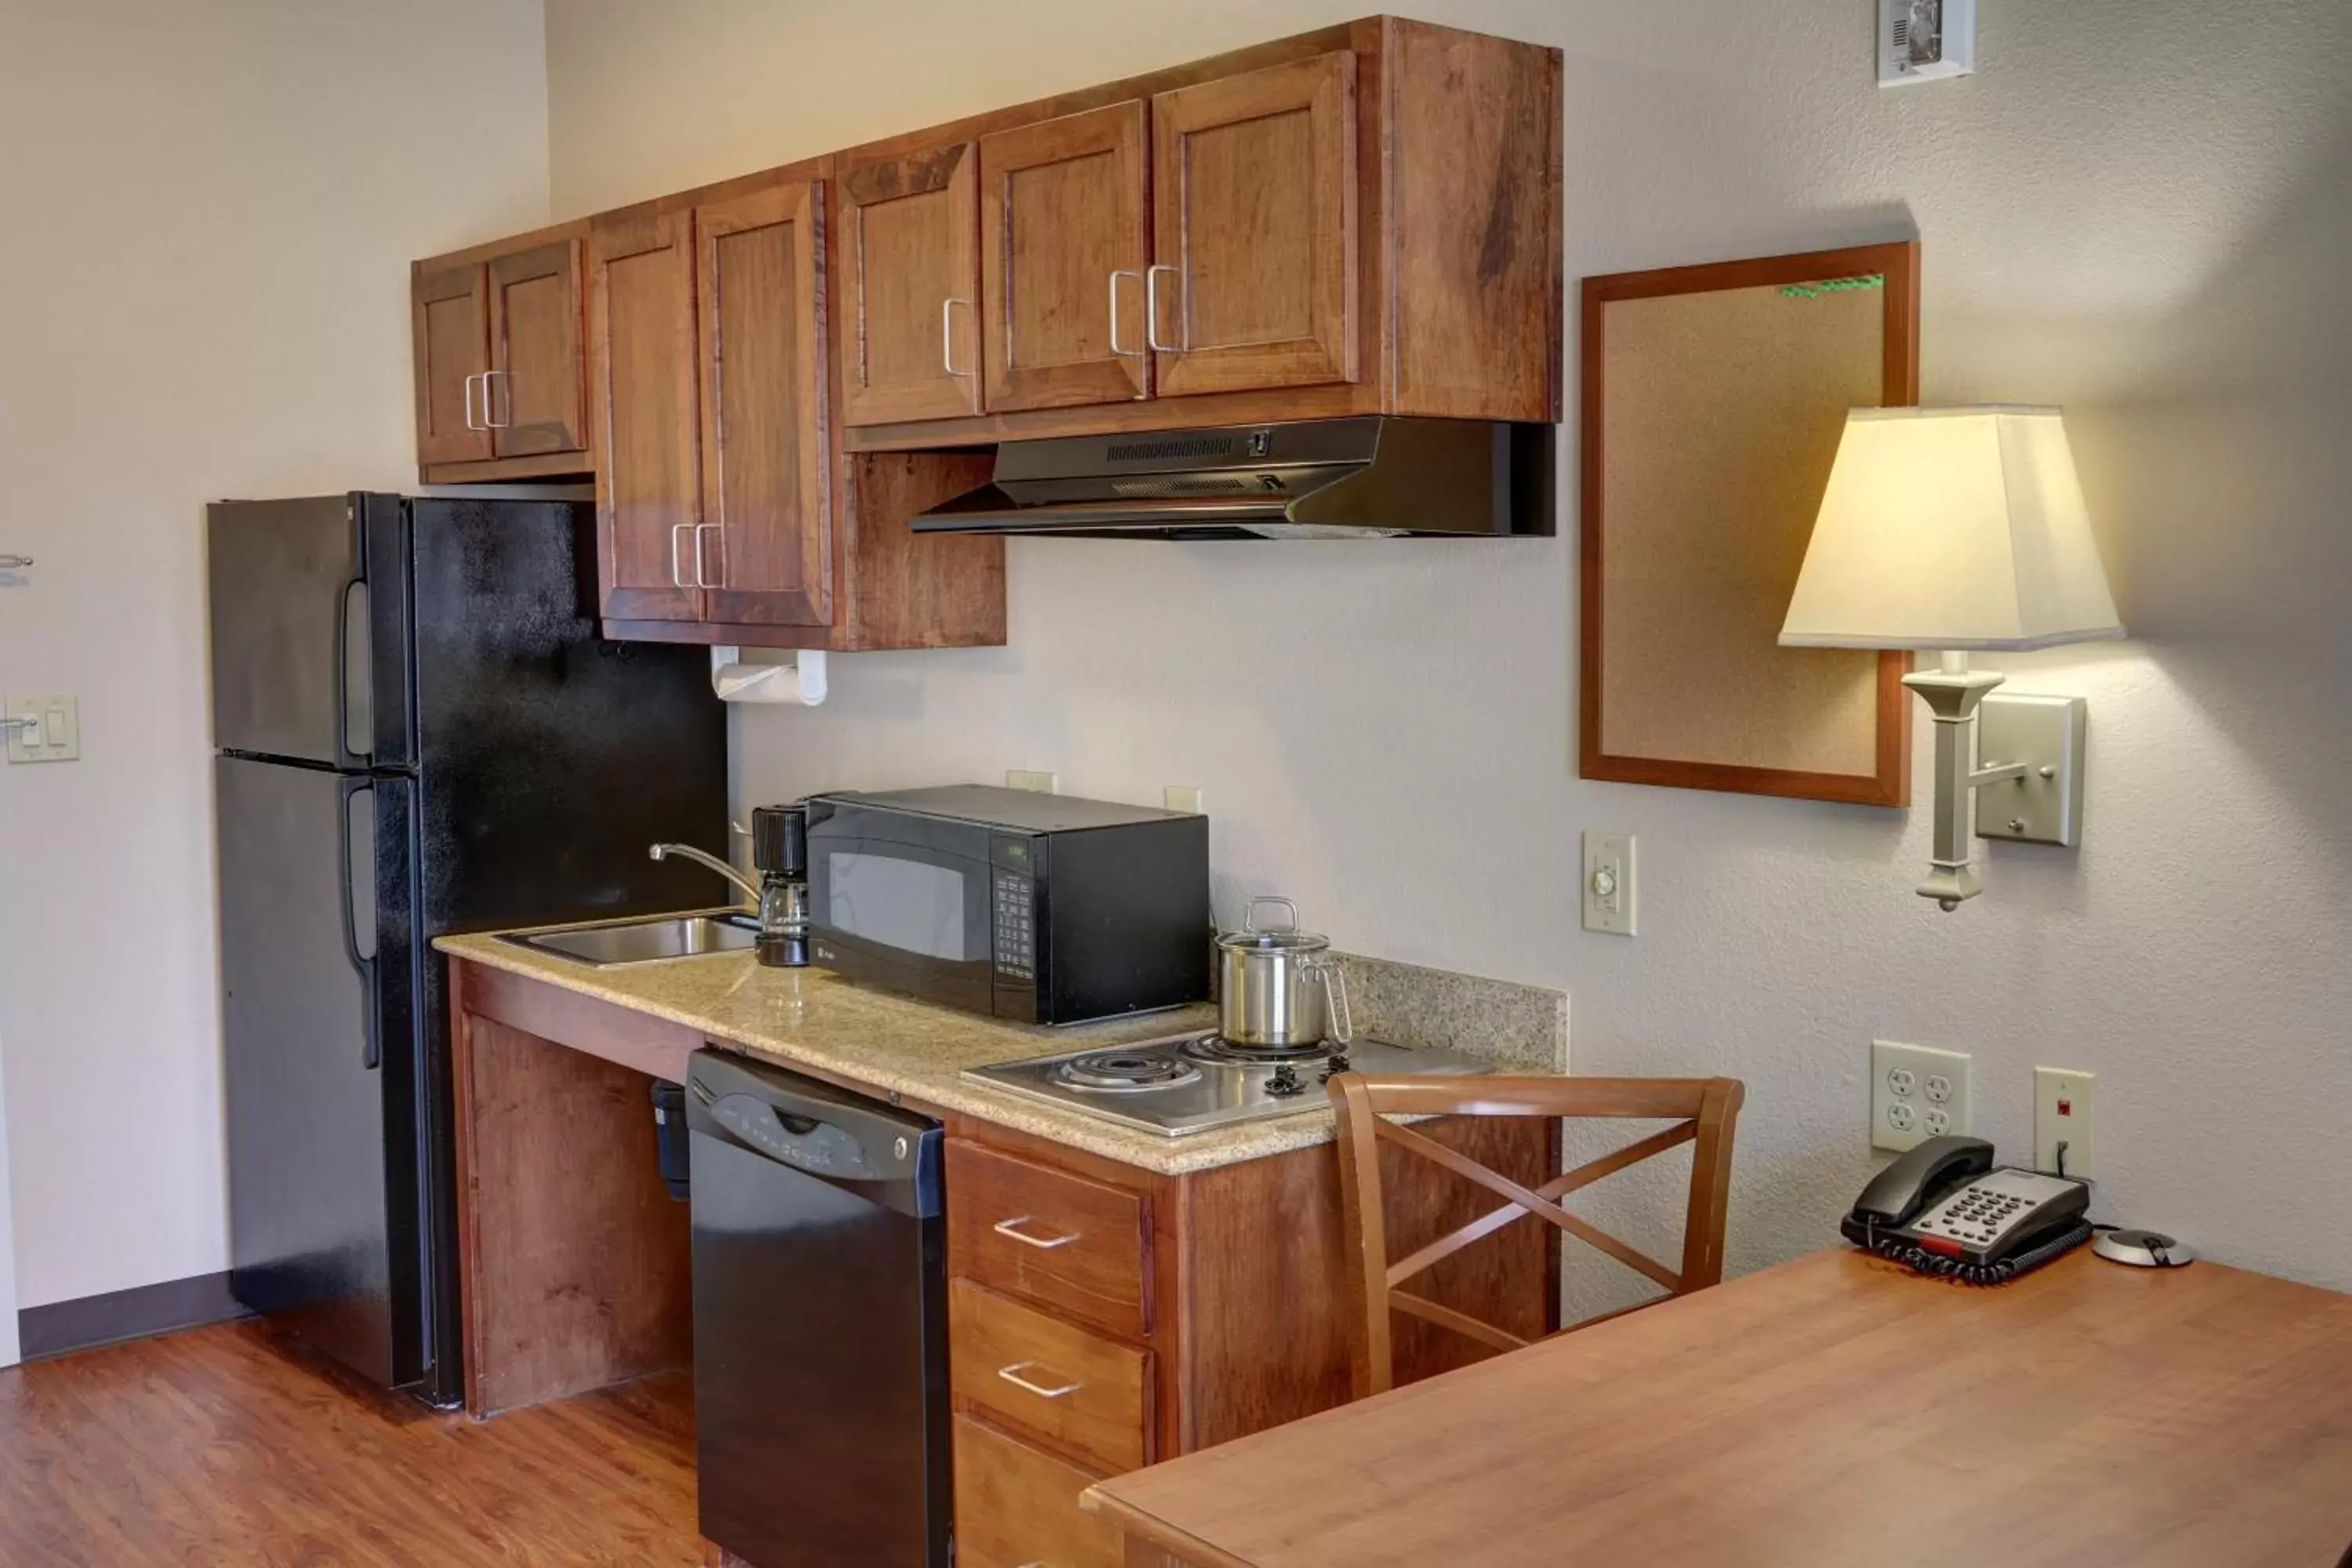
{"points": [[820, 1322]]}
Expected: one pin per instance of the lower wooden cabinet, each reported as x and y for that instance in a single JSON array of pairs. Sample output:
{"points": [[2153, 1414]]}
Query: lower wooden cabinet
{"points": [[1017, 1506]]}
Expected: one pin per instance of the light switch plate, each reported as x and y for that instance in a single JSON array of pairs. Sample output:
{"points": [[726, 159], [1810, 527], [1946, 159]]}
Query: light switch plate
{"points": [[53, 734], [1181, 797], [2045, 733], [1918, 1092], [2064, 1100], [1609, 883], [1036, 779]]}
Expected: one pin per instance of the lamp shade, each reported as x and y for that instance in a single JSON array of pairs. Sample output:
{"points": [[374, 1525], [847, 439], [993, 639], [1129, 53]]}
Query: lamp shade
{"points": [[1951, 528]]}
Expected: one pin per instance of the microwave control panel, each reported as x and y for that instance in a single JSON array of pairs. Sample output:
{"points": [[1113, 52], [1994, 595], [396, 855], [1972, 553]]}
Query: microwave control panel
{"points": [[1016, 938]]}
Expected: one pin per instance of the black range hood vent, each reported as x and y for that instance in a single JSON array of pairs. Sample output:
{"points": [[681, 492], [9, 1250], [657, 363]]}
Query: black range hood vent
{"points": [[1372, 477]]}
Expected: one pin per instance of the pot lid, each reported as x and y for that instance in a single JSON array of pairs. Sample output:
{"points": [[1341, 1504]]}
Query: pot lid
{"points": [[1255, 938]]}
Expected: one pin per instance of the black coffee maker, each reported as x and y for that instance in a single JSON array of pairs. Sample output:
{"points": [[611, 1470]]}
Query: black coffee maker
{"points": [[780, 853]]}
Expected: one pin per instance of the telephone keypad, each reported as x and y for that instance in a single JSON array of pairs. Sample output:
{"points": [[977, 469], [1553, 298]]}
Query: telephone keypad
{"points": [[1986, 1209]]}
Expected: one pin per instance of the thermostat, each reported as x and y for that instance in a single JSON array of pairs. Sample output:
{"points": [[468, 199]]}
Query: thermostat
{"points": [[1926, 40]]}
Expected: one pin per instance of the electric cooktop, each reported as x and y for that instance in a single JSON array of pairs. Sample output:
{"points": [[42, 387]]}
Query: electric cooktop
{"points": [[1192, 1082]]}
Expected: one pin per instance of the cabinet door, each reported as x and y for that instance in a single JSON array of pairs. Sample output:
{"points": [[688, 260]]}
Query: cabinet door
{"points": [[910, 265], [450, 323], [1061, 257], [762, 552], [641, 397], [1254, 205], [535, 398]]}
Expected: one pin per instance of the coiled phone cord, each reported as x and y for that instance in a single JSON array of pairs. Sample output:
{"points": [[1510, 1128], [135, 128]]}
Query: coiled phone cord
{"points": [[1961, 1271]]}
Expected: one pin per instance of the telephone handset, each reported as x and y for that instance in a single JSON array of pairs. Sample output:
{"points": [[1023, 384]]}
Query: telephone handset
{"points": [[1943, 1209]]}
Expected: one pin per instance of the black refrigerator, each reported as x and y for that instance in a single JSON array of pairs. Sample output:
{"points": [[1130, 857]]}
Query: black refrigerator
{"points": [[418, 732]]}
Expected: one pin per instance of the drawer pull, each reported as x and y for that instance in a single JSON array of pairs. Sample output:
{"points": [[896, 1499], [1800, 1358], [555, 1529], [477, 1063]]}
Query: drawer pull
{"points": [[1012, 1374], [1011, 1227]]}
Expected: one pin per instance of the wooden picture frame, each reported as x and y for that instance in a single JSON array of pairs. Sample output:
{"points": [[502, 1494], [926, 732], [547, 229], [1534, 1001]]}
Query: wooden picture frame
{"points": [[1730, 384]]}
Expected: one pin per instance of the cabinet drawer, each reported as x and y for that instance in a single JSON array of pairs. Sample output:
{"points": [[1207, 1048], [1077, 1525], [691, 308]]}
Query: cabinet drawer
{"points": [[1073, 1244], [1090, 1395], [1018, 1508]]}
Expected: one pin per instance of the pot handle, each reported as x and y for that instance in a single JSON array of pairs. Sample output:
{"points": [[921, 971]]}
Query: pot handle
{"points": [[1249, 915], [1335, 993]]}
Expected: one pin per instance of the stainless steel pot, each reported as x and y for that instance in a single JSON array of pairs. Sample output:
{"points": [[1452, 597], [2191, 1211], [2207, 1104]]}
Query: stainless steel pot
{"points": [[1277, 985]]}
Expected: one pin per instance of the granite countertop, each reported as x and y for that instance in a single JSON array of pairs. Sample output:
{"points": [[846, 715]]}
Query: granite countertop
{"points": [[815, 1019]]}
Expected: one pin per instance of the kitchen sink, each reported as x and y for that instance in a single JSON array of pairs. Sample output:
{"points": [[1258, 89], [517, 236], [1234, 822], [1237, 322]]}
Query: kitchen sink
{"points": [[644, 940]]}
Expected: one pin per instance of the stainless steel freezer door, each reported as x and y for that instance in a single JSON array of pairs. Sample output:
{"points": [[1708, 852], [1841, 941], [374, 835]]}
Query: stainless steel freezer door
{"points": [[315, 995], [288, 604]]}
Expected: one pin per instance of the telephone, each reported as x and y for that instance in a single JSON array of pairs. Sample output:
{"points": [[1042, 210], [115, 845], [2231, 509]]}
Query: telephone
{"points": [[1942, 1209]]}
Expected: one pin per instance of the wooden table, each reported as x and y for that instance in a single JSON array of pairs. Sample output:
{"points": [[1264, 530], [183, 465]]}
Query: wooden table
{"points": [[1834, 1410]]}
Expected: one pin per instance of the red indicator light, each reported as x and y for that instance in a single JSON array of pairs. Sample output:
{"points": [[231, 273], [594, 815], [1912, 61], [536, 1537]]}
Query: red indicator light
{"points": [[1943, 1245], [2065, 1107]]}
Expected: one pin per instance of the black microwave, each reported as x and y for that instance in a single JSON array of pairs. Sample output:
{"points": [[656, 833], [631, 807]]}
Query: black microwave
{"points": [[1043, 909]]}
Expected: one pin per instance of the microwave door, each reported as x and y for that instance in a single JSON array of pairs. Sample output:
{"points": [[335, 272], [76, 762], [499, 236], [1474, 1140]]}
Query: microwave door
{"points": [[912, 917]]}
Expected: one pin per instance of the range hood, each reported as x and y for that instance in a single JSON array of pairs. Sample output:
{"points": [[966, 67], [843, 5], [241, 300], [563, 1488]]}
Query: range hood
{"points": [[1372, 477]]}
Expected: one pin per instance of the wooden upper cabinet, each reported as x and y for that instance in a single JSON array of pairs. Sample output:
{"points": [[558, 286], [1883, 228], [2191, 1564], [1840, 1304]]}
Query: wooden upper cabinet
{"points": [[762, 550], [910, 272], [1062, 210], [1254, 232], [535, 396], [644, 403], [450, 334]]}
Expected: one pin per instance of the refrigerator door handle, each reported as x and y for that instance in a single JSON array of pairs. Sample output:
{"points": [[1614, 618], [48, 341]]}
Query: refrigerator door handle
{"points": [[371, 1052], [350, 715]]}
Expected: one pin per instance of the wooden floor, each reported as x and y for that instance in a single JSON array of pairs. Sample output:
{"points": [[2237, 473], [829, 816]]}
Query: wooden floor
{"points": [[231, 1446]]}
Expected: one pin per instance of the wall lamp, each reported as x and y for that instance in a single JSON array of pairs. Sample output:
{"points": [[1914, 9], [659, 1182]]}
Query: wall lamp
{"points": [[1959, 530]]}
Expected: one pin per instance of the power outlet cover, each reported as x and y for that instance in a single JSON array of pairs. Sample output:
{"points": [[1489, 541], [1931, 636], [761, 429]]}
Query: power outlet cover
{"points": [[1036, 779], [1918, 1092]]}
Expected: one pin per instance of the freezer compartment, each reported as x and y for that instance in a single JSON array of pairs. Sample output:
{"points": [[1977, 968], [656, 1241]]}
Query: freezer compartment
{"points": [[318, 989], [310, 624]]}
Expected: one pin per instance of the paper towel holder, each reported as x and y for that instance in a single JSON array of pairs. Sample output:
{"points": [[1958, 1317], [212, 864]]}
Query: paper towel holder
{"points": [[800, 681]]}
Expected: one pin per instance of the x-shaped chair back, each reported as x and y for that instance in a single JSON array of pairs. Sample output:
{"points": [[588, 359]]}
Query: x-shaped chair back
{"points": [[1708, 1113]]}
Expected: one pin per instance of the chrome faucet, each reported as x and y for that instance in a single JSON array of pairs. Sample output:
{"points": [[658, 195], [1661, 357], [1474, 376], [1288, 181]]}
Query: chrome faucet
{"points": [[688, 852]]}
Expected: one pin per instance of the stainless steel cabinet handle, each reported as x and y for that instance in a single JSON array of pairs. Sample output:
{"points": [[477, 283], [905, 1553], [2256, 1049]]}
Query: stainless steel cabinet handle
{"points": [[1011, 1227], [1012, 1374], [1116, 274], [701, 578], [947, 335], [1151, 305], [676, 562], [491, 420], [470, 423]]}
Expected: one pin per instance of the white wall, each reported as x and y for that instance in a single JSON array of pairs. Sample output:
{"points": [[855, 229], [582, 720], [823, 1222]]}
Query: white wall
{"points": [[2139, 209], [210, 211]]}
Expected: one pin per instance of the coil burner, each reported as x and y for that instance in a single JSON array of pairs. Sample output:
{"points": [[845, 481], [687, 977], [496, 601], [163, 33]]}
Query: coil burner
{"points": [[1126, 1071]]}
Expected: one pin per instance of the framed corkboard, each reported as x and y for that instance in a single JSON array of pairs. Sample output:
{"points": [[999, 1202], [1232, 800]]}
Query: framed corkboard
{"points": [[1713, 400]]}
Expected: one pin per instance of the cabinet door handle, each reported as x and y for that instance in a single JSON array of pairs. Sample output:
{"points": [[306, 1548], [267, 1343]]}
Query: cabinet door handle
{"points": [[1012, 1374], [677, 561], [1151, 305], [1011, 1227], [701, 578], [470, 423], [947, 335], [491, 420], [1116, 274]]}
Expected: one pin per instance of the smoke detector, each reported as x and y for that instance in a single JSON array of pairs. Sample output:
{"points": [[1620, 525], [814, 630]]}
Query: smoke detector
{"points": [[1926, 40]]}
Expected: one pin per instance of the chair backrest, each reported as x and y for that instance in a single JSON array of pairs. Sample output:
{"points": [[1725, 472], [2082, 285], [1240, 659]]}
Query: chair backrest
{"points": [[1706, 1113]]}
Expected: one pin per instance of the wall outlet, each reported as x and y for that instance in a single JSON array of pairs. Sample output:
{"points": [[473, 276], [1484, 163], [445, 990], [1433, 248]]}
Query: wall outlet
{"points": [[1036, 779], [1918, 1092], [1609, 883], [44, 729], [2063, 1102], [1181, 797]]}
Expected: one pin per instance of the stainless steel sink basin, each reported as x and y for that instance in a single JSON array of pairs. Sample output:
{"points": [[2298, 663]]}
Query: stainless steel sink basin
{"points": [[644, 940]]}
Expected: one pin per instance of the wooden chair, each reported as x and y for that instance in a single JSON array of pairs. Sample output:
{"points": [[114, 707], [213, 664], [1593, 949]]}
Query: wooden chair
{"points": [[1708, 1113]]}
